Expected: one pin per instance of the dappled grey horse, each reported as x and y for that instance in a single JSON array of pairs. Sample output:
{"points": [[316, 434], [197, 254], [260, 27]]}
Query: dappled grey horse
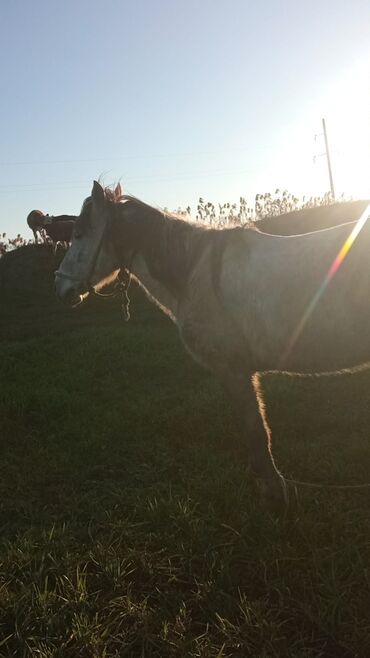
{"points": [[244, 302]]}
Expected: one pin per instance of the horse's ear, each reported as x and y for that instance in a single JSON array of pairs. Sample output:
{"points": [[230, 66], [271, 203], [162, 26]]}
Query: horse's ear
{"points": [[118, 191], [98, 194]]}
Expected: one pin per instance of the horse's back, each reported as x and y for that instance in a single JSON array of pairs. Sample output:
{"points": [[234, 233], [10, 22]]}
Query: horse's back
{"points": [[283, 290], [307, 220], [60, 231]]}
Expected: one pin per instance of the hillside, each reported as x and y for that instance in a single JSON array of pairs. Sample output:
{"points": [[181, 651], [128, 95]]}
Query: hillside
{"points": [[30, 309], [129, 524]]}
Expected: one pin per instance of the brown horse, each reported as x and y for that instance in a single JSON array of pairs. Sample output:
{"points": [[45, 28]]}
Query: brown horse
{"points": [[59, 229], [244, 302]]}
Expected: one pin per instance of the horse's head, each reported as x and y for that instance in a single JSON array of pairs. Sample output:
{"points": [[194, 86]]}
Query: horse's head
{"points": [[35, 219], [91, 261]]}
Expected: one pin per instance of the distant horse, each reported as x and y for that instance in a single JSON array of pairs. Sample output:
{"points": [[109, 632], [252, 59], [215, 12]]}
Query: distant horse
{"points": [[244, 302], [35, 221]]}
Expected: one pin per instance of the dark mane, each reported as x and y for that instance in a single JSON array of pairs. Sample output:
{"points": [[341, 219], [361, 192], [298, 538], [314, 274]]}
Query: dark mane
{"points": [[171, 245], [147, 208]]}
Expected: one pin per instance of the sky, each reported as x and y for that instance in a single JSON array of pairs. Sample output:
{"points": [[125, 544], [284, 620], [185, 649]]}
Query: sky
{"points": [[179, 99]]}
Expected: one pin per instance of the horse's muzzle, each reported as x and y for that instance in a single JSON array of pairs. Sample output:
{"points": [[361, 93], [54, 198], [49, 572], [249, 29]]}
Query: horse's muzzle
{"points": [[67, 293], [72, 298]]}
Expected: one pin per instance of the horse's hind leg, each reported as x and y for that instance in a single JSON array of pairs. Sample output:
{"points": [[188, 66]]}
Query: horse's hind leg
{"points": [[247, 402]]}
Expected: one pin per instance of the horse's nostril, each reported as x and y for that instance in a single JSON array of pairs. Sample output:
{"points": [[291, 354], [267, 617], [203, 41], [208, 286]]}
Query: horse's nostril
{"points": [[74, 298], [71, 297]]}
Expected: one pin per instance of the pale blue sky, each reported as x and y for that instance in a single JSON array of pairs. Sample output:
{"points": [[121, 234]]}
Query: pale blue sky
{"points": [[178, 99]]}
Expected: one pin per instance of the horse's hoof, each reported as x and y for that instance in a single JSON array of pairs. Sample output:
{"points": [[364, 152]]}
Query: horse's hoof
{"points": [[274, 494]]}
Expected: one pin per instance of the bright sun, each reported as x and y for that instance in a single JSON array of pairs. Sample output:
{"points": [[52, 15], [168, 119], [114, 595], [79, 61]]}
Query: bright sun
{"points": [[346, 109], [348, 120]]}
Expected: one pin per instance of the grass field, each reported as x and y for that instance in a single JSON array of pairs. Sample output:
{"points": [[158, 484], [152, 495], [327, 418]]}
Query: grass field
{"points": [[128, 525]]}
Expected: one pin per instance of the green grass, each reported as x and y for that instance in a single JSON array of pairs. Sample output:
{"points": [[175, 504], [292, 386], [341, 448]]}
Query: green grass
{"points": [[128, 524]]}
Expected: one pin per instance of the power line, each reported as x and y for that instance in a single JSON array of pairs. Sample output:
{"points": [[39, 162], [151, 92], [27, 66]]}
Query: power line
{"points": [[181, 176], [132, 157]]}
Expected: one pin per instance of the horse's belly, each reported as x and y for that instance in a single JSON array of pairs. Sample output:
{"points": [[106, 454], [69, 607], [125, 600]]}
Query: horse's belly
{"points": [[305, 350]]}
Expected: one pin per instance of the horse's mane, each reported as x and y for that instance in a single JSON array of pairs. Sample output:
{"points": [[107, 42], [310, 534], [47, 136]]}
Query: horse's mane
{"points": [[172, 245], [147, 208]]}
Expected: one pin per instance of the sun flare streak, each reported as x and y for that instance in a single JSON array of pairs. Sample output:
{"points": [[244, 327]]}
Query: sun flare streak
{"points": [[336, 264]]}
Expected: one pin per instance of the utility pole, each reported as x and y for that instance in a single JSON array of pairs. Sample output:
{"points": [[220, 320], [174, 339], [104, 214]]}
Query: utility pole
{"points": [[328, 159], [327, 154]]}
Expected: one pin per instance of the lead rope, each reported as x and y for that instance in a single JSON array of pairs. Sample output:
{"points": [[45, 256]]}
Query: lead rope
{"points": [[315, 485]]}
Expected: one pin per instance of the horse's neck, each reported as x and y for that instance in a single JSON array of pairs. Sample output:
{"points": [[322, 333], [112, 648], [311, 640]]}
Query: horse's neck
{"points": [[161, 259], [157, 291]]}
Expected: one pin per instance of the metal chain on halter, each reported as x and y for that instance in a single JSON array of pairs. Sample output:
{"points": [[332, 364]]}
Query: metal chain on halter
{"points": [[123, 286], [120, 288]]}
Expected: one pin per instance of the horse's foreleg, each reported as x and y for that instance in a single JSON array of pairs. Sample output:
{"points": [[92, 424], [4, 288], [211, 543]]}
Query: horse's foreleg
{"points": [[247, 401]]}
